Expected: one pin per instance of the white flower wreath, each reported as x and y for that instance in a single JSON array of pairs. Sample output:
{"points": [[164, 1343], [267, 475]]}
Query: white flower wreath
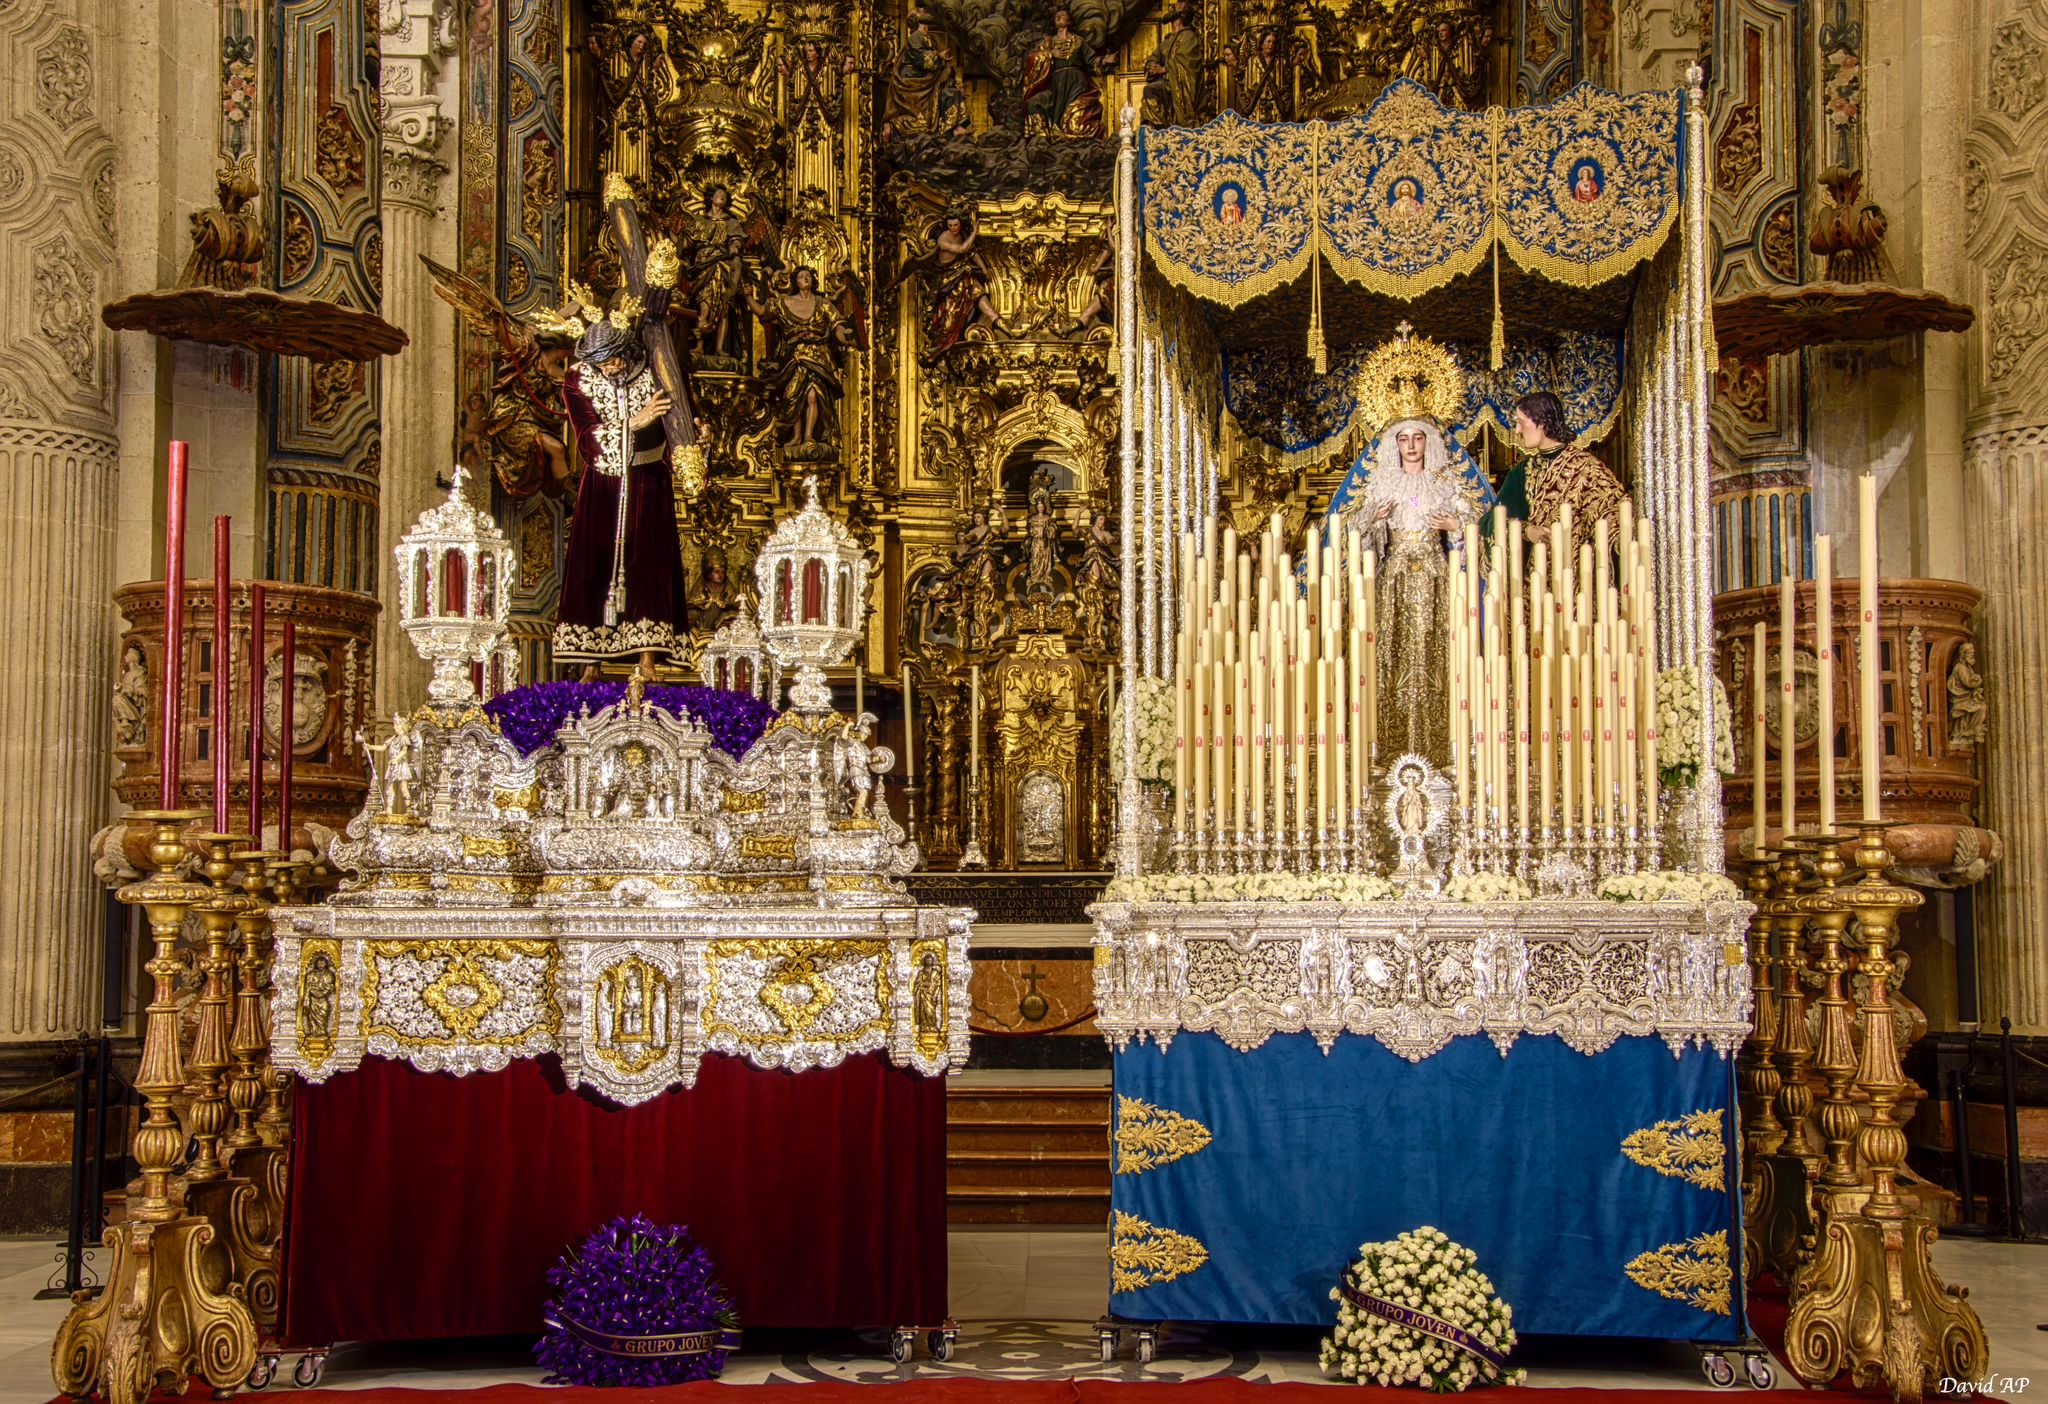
{"points": [[1678, 728], [1155, 732], [1417, 1310]]}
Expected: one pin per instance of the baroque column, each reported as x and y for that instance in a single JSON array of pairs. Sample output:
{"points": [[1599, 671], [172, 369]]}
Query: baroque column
{"points": [[2005, 465], [419, 383], [59, 458]]}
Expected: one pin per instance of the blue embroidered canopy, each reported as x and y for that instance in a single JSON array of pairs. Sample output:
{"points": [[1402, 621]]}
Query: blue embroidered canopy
{"points": [[1409, 195], [1276, 397]]}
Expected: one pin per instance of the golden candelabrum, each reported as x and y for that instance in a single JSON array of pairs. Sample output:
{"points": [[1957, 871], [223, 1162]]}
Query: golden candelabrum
{"points": [[1823, 1209], [192, 1282], [1778, 1231], [1870, 1303]]}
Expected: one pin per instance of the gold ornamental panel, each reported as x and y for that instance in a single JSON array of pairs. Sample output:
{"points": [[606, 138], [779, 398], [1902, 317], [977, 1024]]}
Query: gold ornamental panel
{"points": [[828, 994], [472, 994]]}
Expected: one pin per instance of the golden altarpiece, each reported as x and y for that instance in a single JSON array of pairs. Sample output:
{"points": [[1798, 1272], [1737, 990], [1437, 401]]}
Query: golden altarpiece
{"points": [[894, 228]]}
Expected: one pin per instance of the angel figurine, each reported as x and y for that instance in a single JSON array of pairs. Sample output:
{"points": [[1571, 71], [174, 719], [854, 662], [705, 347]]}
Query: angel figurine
{"points": [[518, 429]]}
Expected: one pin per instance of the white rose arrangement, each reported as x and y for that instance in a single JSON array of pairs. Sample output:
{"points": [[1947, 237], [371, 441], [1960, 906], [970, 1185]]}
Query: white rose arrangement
{"points": [[1678, 728], [1155, 731], [1417, 1310], [1487, 887], [1249, 887], [1668, 886]]}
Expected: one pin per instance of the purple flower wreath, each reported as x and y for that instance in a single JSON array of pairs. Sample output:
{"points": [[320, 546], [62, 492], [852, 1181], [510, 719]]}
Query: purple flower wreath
{"points": [[529, 716], [638, 1304]]}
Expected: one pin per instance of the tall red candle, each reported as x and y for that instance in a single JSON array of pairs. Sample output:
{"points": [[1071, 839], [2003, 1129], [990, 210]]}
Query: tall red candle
{"points": [[256, 680], [170, 746], [287, 658], [222, 720]]}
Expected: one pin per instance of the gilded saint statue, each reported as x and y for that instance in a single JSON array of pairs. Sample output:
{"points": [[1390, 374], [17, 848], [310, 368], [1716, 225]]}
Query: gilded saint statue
{"points": [[1264, 69], [716, 238], [1557, 473], [1173, 74], [810, 335], [924, 92], [1060, 95]]}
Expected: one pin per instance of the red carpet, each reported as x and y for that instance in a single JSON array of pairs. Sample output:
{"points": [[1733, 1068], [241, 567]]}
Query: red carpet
{"points": [[966, 1391]]}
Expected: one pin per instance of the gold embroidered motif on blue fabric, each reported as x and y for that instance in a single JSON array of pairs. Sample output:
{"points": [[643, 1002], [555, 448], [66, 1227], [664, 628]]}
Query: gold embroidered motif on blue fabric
{"points": [[1409, 194], [1148, 1137], [1690, 1149], [1589, 184], [1227, 206], [1694, 1272], [1406, 193], [1145, 1255]]}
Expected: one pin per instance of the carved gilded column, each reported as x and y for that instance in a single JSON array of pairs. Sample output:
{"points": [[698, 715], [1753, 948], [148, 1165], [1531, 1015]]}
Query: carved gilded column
{"points": [[2006, 486], [418, 432], [59, 458]]}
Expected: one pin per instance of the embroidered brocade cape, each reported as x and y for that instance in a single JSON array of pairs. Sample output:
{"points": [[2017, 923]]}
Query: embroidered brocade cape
{"points": [[1570, 475]]}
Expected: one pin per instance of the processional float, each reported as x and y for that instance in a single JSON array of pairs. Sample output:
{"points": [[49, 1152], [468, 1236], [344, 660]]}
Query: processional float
{"points": [[629, 888], [1331, 915]]}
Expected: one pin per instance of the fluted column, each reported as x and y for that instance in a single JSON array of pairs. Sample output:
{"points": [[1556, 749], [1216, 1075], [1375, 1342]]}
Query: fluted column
{"points": [[58, 459], [2006, 477], [419, 382], [2005, 456]]}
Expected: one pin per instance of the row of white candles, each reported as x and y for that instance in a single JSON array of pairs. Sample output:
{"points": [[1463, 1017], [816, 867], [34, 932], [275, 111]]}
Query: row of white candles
{"points": [[1551, 694], [1869, 718]]}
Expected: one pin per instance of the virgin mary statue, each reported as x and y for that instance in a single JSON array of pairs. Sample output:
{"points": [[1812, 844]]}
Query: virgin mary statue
{"points": [[1410, 495]]}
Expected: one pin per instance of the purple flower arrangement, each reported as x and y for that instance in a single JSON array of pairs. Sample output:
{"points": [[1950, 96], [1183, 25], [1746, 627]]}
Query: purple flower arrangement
{"points": [[638, 1303], [529, 716]]}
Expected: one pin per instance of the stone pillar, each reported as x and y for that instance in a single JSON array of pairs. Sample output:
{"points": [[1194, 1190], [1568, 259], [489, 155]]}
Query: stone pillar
{"points": [[59, 459], [419, 382], [2005, 460]]}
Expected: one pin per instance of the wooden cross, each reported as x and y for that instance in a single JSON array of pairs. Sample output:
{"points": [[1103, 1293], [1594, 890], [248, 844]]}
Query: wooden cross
{"points": [[680, 423]]}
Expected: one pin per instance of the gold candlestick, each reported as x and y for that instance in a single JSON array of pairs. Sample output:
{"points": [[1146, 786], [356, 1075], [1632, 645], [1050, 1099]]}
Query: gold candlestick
{"points": [[1778, 1232], [1871, 1303], [163, 1316], [1762, 1134], [1834, 1056], [217, 912]]}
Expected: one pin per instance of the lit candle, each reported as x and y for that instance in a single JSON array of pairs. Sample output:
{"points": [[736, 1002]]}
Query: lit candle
{"points": [[1567, 737], [1870, 723], [220, 695], [1787, 775], [171, 744], [1824, 652], [258, 665], [1758, 707], [860, 689], [288, 658]]}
